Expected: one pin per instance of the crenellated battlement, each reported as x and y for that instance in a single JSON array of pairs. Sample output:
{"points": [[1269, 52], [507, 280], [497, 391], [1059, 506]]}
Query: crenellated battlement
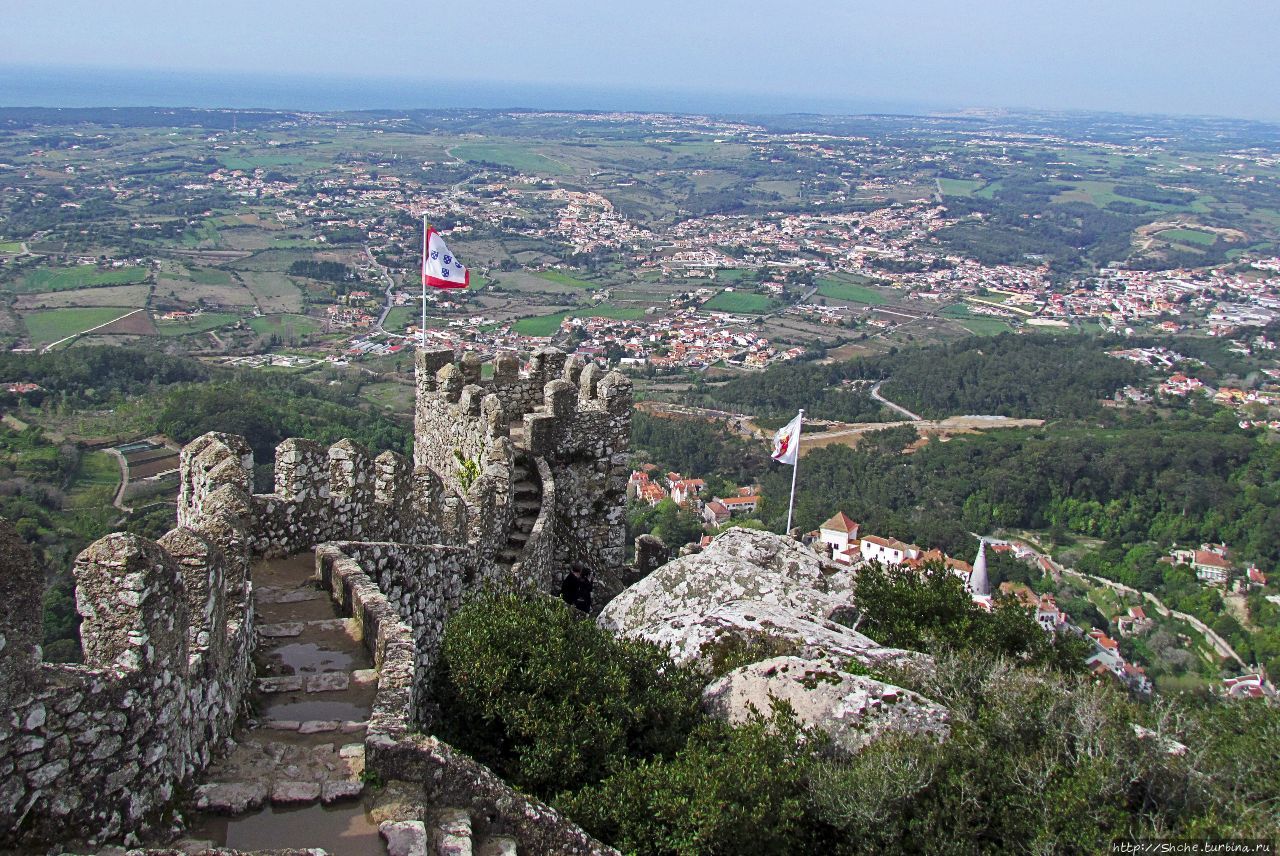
{"points": [[167, 631], [101, 749]]}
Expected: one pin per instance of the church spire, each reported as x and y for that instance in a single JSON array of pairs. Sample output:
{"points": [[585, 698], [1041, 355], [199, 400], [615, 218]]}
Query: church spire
{"points": [[978, 585]]}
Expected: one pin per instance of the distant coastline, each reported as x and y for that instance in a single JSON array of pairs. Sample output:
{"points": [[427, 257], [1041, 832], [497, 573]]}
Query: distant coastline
{"points": [[87, 87]]}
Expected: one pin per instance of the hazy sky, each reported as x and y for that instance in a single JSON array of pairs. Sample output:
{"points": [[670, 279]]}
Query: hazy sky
{"points": [[1172, 56]]}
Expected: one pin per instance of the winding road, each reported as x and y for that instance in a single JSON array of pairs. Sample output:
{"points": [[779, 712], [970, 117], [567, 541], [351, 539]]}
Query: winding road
{"points": [[875, 393]]}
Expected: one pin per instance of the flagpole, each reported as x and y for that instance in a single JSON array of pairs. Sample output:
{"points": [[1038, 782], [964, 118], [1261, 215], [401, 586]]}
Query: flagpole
{"points": [[795, 468], [422, 331]]}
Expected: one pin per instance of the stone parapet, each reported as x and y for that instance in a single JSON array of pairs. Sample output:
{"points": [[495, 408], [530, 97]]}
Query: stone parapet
{"points": [[96, 751]]}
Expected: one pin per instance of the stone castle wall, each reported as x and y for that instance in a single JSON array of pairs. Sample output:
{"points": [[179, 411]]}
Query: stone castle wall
{"points": [[97, 751], [573, 416], [100, 748]]}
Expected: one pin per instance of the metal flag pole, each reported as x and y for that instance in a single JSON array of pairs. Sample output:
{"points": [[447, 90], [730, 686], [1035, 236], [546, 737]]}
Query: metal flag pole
{"points": [[795, 468], [422, 331]]}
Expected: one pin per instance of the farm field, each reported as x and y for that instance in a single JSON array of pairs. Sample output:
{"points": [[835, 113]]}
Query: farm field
{"points": [[986, 326], [731, 274], [10, 247], [95, 481], [201, 323], [108, 295], [737, 301], [852, 292], [959, 186], [186, 291], [266, 325], [1188, 236], [83, 276], [562, 278], [274, 292], [516, 157], [51, 325]]}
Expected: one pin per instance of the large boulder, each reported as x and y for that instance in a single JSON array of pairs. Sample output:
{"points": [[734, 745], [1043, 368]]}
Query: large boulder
{"points": [[852, 710], [749, 595], [731, 631], [742, 564]]}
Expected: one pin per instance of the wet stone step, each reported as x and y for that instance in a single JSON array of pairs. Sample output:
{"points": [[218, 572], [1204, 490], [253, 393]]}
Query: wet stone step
{"points": [[290, 629], [316, 726], [324, 682], [279, 595], [528, 504]]}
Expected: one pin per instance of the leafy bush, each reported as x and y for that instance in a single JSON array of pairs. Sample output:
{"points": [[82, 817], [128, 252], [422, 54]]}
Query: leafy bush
{"points": [[552, 701], [730, 790]]}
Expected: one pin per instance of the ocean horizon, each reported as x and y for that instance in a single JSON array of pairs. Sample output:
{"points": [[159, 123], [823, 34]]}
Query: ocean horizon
{"points": [[22, 86]]}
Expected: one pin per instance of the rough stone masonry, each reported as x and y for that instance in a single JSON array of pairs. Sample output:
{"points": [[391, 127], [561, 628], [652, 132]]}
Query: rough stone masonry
{"points": [[97, 752]]}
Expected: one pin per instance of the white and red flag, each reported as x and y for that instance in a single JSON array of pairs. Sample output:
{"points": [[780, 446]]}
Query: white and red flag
{"points": [[786, 443], [441, 268]]}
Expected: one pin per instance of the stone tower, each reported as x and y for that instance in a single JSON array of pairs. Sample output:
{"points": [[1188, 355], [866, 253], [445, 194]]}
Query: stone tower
{"points": [[551, 439]]}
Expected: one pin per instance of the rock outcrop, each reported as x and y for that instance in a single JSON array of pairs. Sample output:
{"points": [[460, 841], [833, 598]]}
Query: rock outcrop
{"points": [[852, 710], [747, 591]]}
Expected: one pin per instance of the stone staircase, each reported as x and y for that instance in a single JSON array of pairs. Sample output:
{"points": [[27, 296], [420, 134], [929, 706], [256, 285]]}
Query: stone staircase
{"points": [[293, 775], [528, 501], [304, 745]]}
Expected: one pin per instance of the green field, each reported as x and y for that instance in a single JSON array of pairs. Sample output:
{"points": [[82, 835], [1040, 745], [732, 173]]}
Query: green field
{"points": [[739, 301], [248, 163], [265, 325], [205, 233], [989, 191], [96, 479], [208, 276], [10, 247], [985, 326], [66, 279], [52, 325], [561, 278], [202, 323], [955, 310], [547, 325], [516, 157], [1188, 236], [731, 274], [400, 317], [852, 292], [959, 186]]}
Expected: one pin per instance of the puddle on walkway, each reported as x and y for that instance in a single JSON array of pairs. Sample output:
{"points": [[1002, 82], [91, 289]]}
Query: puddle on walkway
{"points": [[342, 830], [308, 657], [307, 710]]}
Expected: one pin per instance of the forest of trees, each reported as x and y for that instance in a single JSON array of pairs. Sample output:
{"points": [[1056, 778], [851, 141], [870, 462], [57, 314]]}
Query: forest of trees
{"points": [[1187, 480], [1034, 376], [325, 271]]}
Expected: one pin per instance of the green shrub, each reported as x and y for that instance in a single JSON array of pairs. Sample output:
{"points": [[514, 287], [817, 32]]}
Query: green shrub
{"points": [[730, 790], [553, 702]]}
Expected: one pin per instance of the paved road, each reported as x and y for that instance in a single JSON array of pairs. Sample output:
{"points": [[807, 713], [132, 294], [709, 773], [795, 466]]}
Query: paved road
{"points": [[391, 288], [875, 393]]}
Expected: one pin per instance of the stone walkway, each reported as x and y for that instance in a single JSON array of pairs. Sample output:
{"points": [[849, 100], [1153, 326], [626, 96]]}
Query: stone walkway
{"points": [[304, 745], [293, 777]]}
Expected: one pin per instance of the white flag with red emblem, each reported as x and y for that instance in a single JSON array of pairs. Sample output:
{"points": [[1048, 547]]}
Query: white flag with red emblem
{"points": [[786, 443], [441, 268]]}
